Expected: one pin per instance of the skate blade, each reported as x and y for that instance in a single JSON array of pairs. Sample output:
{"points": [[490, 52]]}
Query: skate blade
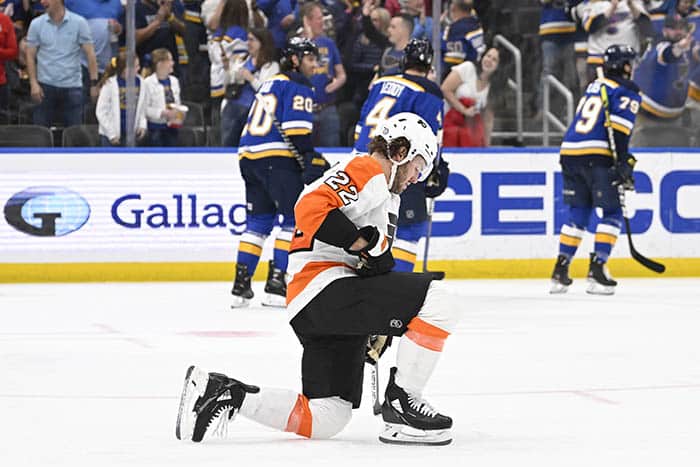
{"points": [[239, 302], [406, 435], [558, 288], [273, 300], [195, 384], [594, 288]]}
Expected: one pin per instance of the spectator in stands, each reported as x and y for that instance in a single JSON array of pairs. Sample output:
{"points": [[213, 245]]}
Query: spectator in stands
{"points": [[162, 100], [685, 8], [662, 77], [245, 80], [576, 10], [280, 17], [111, 104], [157, 23], [400, 29], [463, 39], [557, 31], [8, 51], [196, 46], [54, 42], [610, 22], [467, 88], [422, 24], [103, 18], [227, 49], [328, 77], [367, 50]]}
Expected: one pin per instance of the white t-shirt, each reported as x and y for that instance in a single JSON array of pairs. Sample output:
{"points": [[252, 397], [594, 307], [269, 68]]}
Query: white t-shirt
{"points": [[467, 74]]}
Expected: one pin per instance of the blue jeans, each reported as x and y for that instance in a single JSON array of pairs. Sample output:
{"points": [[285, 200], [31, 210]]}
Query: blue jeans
{"points": [[68, 99], [233, 119], [327, 128], [162, 137]]}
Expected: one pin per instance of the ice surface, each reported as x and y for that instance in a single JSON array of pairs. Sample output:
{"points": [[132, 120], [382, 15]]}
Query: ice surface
{"points": [[91, 375]]}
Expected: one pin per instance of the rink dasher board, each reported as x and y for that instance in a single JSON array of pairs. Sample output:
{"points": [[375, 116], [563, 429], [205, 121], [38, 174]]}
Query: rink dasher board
{"points": [[178, 214]]}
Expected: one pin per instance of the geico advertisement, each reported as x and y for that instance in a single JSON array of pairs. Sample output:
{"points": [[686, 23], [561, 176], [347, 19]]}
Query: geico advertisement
{"points": [[92, 207]]}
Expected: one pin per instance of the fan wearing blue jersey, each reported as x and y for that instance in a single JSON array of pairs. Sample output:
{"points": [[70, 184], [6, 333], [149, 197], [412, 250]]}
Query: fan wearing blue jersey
{"points": [[271, 169], [463, 40], [410, 91], [592, 176]]}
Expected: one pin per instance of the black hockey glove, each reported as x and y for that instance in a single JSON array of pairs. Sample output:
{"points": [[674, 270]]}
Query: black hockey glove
{"points": [[373, 259], [622, 176], [314, 166], [376, 346], [436, 183]]}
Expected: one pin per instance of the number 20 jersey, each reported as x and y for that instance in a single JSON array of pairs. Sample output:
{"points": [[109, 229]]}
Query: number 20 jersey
{"points": [[394, 94], [586, 139], [291, 97]]}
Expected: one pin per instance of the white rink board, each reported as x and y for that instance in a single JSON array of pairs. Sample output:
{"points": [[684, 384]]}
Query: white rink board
{"points": [[190, 206]]}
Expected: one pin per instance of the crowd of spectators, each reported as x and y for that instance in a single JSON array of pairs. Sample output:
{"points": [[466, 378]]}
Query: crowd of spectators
{"points": [[62, 62]]}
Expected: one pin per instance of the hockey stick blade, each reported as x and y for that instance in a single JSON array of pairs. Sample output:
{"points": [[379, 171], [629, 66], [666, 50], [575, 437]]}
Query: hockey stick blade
{"points": [[641, 259]]}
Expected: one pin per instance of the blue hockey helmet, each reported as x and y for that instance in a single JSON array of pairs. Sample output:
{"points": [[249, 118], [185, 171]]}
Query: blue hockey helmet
{"points": [[615, 59]]}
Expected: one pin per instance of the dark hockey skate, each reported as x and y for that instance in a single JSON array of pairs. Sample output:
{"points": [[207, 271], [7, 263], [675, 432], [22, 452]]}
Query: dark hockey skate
{"points": [[599, 280], [560, 277], [208, 397], [242, 292], [410, 419], [275, 287]]}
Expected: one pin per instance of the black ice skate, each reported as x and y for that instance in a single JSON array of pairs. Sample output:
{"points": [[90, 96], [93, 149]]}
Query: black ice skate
{"points": [[242, 292], [599, 280], [275, 287], [560, 277], [411, 420], [207, 397]]}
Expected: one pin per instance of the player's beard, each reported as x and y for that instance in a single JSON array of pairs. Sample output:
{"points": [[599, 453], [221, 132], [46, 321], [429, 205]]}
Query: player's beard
{"points": [[400, 179]]}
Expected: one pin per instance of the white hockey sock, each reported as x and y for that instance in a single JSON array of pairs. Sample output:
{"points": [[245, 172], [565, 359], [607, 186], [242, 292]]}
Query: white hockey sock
{"points": [[414, 365], [270, 407]]}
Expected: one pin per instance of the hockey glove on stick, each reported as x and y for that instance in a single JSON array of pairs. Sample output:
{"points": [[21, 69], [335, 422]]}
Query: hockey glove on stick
{"points": [[314, 166], [622, 176], [376, 346], [436, 183], [375, 257]]}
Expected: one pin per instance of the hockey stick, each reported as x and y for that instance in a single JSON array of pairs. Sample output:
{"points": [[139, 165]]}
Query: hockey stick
{"points": [[641, 259], [376, 405], [437, 275], [278, 125]]}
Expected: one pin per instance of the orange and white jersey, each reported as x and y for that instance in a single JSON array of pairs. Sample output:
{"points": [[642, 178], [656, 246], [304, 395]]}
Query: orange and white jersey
{"points": [[358, 188]]}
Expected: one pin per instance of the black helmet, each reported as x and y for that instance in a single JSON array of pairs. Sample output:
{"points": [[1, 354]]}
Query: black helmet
{"points": [[417, 54], [298, 46], [615, 59]]}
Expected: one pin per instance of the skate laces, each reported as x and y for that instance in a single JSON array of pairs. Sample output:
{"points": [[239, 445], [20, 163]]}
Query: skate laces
{"points": [[421, 405], [224, 413]]}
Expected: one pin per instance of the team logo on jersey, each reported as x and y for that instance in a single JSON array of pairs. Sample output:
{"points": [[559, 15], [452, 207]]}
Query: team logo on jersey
{"points": [[47, 211], [396, 323]]}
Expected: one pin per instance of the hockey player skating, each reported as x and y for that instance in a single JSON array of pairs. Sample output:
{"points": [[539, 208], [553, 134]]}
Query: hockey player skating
{"points": [[273, 176], [410, 91], [592, 178], [341, 291]]}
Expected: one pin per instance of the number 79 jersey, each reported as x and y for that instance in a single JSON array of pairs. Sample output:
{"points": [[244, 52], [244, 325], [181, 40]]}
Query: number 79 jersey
{"points": [[586, 139], [290, 99]]}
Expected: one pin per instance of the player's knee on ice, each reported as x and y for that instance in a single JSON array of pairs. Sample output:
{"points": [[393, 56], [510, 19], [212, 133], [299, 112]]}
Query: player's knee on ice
{"points": [[330, 416]]}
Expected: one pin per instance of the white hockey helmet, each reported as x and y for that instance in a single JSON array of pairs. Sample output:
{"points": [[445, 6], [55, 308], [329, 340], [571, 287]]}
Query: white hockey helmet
{"points": [[422, 141]]}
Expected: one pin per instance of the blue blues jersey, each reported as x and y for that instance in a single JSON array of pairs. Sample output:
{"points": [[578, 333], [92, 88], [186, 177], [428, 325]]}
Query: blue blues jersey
{"points": [[463, 40], [290, 97], [394, 94], [694, 86], [586, 140], [659, 15], [193, 10], [556, 24], [663, 80], [328, 58]]}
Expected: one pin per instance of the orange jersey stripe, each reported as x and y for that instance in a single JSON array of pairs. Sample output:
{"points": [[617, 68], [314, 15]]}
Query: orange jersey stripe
{"points": [[306, 275], [300, 420]]}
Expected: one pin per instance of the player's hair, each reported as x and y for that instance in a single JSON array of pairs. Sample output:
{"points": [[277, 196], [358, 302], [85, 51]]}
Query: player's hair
{"points": [[234, 13], [379, 144]]}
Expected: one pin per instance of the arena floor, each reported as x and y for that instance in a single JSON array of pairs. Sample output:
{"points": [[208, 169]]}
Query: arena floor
{"points": [[91, 375]]}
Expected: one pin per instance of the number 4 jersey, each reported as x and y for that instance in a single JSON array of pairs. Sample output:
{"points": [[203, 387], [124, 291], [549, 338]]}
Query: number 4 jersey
{"points": [[355, 190], [586, 140], [289, 97], [394, 94]]}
